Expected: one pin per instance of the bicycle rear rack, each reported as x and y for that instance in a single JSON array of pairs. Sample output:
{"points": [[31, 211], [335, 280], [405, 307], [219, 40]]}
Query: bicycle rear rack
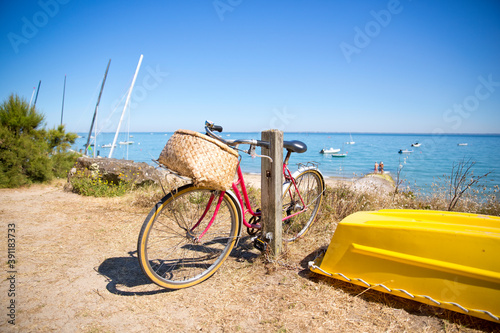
{"points": [[309, 164]]}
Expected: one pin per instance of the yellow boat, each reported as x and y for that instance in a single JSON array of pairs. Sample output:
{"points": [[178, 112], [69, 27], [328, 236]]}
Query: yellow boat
{"points": [[446, 259]]}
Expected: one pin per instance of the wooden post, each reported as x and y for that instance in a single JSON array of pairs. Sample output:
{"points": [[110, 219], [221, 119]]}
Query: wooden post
{"points": [[271, 187]]}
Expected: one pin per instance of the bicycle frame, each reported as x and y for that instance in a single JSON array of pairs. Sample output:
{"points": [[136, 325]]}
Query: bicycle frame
{"points": [[241, 193]]}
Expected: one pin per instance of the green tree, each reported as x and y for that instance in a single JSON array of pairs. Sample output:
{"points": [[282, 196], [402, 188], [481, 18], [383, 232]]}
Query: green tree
{"points": [[28, 152], [18, 117], [58, 144]]}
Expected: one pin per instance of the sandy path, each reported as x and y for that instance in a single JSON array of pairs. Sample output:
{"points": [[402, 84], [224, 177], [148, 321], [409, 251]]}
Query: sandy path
{"points": [[76, 271]]}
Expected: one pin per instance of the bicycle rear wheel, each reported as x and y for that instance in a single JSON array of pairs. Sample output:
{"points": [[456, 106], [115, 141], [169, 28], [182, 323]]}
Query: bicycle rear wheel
{"points": [[177, 247], [310, 187]]}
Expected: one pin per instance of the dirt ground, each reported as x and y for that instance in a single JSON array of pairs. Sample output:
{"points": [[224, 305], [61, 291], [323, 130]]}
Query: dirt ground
{"points": [[76, 271]]}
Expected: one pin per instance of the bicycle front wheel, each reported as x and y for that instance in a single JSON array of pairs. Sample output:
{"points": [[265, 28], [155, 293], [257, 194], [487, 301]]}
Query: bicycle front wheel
{"points": [[183, 241], [301, 204]]}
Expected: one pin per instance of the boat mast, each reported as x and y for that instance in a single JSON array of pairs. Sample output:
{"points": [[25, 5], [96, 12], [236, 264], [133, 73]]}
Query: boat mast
{"points": [[128, 132], [36, 97], [125, 107], [96, 107], [32, 94], [64, 92]]}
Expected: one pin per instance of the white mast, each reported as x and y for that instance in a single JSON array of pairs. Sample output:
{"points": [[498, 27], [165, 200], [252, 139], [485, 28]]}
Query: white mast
{"points": [[125, 107], [32, 94]]}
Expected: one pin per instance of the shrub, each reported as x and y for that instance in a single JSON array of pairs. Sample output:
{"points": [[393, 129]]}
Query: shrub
{"points": [[93, 184], [28, 152]]}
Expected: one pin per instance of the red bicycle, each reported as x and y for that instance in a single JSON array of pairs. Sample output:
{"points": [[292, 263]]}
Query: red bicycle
{"points": [[188, 234]]}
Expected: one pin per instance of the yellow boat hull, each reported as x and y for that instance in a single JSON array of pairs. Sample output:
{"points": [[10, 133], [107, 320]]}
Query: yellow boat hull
{"points": [[446, 259]]}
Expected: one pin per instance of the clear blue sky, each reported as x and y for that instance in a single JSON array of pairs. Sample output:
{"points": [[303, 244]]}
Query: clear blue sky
{"points": [[340, 66]]}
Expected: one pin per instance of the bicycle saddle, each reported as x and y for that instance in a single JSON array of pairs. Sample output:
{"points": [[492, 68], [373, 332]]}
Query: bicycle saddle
{"points": [[295, 146]]}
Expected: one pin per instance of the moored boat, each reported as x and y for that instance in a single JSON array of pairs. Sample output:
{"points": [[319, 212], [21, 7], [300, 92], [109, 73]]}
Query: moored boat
{"points": [[445, 259], [329, 151]]}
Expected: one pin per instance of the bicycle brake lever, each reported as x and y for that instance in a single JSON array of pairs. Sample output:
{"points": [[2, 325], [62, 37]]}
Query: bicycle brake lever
{"points": [[253, 154]]}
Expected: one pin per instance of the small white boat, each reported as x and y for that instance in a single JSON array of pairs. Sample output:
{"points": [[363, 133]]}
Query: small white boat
{"points": [[126, 142], [416, 144], [108, 145], [463, 144], [405, 151], [329, 151], [339, 154]]}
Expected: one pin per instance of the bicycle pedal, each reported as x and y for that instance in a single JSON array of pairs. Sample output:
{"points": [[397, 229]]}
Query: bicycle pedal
{"points": [[260, 245]]}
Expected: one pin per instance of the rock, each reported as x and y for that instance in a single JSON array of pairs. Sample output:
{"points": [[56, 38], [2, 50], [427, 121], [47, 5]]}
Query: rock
{"points": [[115, 170], [376, 183]]}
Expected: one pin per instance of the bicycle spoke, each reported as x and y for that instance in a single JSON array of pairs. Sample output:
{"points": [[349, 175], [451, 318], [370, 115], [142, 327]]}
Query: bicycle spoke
{"points": [[300, 204], [174, 256]]}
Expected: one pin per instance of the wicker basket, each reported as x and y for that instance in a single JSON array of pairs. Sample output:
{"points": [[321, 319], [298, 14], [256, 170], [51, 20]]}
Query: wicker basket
{"points": [[207, 161]]}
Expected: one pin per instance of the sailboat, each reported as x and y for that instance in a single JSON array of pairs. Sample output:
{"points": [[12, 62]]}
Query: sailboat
{"points": [[350, 142], [125, 107], [127, 142]]}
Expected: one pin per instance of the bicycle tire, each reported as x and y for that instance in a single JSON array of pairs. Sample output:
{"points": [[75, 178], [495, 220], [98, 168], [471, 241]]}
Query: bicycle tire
{"points": [[311, 186], [168, 251]]}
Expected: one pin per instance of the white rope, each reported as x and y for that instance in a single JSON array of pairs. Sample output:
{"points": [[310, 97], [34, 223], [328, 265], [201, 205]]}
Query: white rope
{"points": [[314, 267]]}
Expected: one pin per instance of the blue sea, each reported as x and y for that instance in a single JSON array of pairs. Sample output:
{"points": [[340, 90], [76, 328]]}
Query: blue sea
{"points": [[420, 168]]}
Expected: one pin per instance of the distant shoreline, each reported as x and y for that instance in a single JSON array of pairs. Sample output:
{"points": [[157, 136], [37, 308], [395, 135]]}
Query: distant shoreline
{"points": [[368, 183]]}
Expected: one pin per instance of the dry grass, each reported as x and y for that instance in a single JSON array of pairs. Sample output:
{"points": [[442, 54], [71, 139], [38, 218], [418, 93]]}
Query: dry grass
{"points": [[342, 200], [78, 272], [148, 196]]}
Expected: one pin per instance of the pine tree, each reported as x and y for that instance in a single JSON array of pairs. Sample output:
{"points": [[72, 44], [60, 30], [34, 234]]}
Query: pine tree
{"points": [[28, 152]]}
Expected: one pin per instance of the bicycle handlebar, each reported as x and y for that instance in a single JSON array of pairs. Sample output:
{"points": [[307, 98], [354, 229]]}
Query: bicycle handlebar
{"points": [[210, 127]]}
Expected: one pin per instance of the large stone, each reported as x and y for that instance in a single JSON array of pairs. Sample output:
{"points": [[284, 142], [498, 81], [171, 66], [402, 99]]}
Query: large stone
{"points": [[375, 183], [115, 170]]}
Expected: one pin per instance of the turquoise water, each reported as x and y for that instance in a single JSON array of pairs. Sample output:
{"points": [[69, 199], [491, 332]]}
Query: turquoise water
{"points": [[420, 168]]}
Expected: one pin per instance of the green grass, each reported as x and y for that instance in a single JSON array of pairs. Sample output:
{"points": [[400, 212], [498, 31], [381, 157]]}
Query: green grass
{"points": [[95, 185]]}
